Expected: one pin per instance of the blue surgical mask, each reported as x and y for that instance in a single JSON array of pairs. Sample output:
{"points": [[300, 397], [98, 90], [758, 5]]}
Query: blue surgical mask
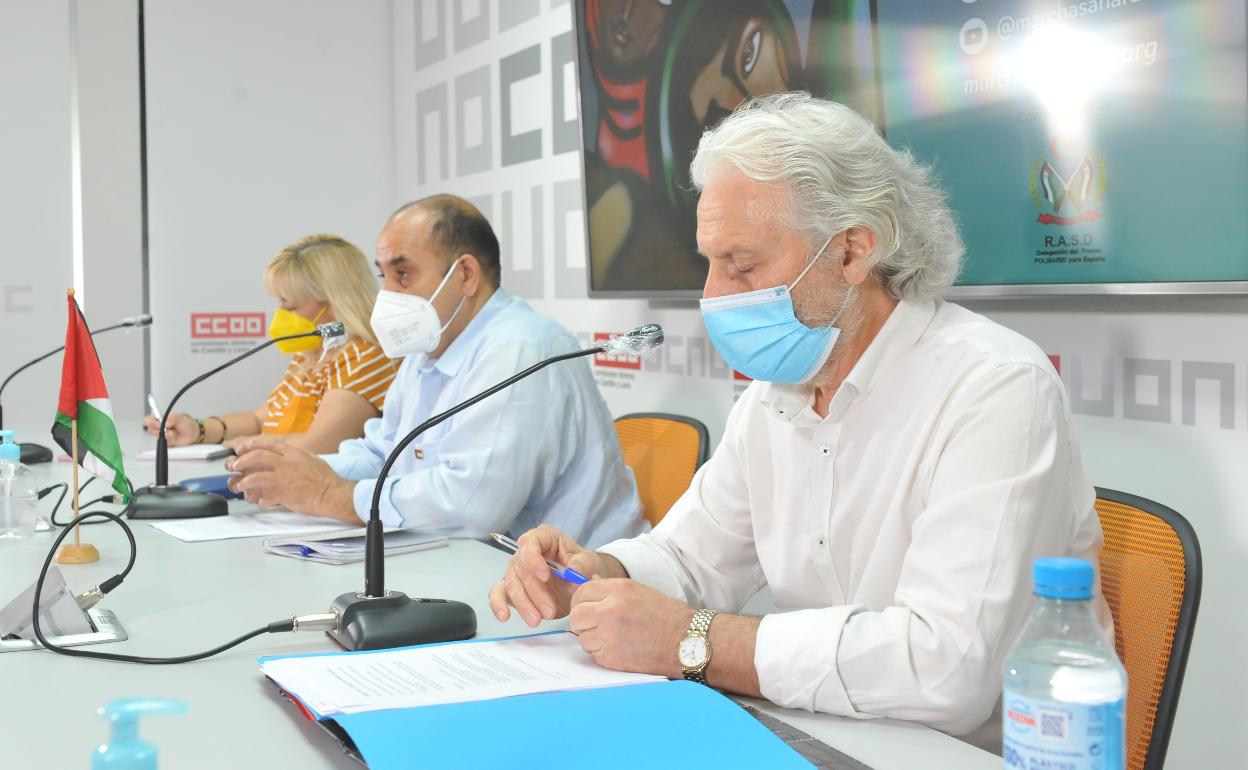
{"points": [[759, 335]]}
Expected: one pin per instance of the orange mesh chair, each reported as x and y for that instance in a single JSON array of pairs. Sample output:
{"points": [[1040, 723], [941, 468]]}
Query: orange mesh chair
{"points": [[1150, 573], [664, 451]]}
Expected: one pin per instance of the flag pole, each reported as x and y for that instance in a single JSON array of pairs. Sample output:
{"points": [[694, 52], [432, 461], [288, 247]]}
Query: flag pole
{"points": [[76, 553]]}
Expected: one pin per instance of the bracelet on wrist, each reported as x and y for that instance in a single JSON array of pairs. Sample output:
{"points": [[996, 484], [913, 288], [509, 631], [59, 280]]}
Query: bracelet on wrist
{"points": [[224, 428], [199, 424]]}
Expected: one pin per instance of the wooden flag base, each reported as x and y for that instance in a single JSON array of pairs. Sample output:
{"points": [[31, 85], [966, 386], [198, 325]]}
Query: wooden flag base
{"points": [[77, 554]]}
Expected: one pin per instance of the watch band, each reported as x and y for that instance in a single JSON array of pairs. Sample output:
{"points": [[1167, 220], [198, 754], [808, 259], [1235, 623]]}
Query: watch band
{"points": [[700, 625]]}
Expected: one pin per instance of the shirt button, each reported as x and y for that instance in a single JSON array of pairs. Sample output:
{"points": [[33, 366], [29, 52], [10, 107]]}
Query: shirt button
{"points": [[821, 542], [825, 450]]}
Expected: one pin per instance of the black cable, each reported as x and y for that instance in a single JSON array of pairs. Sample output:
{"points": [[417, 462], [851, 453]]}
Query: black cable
{"points": [[64, 487], [61, 485], [109, 585]]}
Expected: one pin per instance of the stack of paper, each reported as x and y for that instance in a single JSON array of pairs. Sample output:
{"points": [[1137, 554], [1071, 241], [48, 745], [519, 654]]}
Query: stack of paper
{"points": [[352, 683], [348, 547]]}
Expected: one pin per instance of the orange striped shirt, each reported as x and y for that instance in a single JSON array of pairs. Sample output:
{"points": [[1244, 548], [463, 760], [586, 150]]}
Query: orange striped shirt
{"points": [[360, 367]]}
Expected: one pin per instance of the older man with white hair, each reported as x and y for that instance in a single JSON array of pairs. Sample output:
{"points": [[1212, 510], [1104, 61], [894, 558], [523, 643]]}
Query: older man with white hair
{"points": [[890, 475]]}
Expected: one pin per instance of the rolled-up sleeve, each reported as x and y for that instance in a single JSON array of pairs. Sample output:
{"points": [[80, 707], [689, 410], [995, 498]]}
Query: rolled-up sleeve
{"points": [[702, 552], [999, 496]]}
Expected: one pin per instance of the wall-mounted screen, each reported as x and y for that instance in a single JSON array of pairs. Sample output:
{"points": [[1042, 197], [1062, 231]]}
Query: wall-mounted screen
{"points": [[1098, 144], [1086, 145]]}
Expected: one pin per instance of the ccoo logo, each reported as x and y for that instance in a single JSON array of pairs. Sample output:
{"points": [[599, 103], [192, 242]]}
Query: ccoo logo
{"points": [[215, 326]]}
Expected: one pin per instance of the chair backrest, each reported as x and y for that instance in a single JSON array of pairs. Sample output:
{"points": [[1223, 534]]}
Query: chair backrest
{"points": [[1150, 574], [664, 451]]}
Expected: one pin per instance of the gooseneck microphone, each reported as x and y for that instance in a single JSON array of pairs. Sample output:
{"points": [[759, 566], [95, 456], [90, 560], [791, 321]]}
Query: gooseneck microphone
{"points": [[380, 619], [34, 453], [163, 500]]}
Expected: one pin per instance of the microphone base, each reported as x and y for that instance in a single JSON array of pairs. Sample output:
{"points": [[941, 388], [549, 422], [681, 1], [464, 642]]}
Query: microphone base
{"points": [[397, 620], [174, 502], [33, 454]]}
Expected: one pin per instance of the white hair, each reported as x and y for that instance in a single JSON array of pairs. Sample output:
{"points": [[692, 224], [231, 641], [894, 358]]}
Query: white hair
{"points": [[840, 173]]}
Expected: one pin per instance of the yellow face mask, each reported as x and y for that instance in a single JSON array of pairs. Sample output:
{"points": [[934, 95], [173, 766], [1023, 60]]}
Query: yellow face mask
{"points": [[285, 323]]}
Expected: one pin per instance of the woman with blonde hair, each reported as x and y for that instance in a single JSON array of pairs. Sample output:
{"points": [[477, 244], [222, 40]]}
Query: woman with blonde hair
{"points": [[326, 395]]}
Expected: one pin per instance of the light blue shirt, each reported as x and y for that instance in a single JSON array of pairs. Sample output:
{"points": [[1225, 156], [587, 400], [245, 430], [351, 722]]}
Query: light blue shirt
{"points": [[542, 451]]}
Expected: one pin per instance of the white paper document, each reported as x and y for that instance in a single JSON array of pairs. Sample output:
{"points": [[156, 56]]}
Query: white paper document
{"points": [[259, 524], [190, 452], [447, 673]]}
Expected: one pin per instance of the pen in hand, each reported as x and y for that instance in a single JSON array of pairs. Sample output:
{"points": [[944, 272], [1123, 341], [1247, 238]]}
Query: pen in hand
{"points": [[567, 573]]}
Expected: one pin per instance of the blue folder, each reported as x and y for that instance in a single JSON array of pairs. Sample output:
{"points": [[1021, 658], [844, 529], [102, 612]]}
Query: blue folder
{"points": [[658, 724]]}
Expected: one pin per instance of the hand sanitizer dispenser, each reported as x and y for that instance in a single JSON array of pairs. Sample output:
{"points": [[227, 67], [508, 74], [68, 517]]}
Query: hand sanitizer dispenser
{"points": [[125, 751]]}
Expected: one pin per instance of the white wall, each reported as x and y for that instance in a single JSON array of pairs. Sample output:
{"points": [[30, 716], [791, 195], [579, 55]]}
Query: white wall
{"points": [[37, 195], [453, 63], [266, 122], [35, 261], [112, 233]]}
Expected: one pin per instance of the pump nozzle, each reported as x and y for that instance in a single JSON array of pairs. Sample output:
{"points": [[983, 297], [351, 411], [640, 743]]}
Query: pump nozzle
{"points": [[125, 751]]}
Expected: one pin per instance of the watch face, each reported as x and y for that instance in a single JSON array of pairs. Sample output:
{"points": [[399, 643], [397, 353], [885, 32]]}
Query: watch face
{"points": [[693, 651]]}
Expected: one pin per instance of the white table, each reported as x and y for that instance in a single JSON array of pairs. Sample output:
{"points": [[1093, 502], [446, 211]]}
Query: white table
{"points": [[188, 597]]}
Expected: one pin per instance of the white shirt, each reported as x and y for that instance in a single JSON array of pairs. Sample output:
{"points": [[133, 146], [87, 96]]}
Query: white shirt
{"points": [[543, 450], [897, 534]]}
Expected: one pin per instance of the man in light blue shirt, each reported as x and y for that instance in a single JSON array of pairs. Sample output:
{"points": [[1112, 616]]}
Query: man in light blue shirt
{"points": [[542, 451]]}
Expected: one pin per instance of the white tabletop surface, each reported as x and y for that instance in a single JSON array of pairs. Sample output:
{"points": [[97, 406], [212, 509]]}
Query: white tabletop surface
{"points": [[187, 597]]}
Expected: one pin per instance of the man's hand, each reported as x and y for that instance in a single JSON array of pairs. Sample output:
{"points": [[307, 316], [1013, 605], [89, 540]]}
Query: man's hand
{"points": [[279, 474], [628, 626], [530, 586], [180, 429]]}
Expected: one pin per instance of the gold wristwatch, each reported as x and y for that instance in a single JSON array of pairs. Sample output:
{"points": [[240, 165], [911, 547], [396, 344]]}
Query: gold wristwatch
{"points": [[694, 651]]}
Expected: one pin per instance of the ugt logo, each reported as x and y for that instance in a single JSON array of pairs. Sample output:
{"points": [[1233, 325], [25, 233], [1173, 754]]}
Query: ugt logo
{"points": [[1070, 199]]}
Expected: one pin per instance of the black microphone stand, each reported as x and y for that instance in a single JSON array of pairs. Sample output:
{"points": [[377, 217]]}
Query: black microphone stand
{"points": [[37, 453], [379, 619], [163, 500]]}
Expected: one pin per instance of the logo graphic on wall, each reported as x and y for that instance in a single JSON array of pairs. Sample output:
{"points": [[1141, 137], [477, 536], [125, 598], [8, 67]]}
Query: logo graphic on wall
{"points": [[226, 332], [1069, 199]]}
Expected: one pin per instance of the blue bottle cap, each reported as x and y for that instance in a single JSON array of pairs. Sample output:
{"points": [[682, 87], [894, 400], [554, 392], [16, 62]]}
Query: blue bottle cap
{"points": [[1061, 577], [9, 450]]}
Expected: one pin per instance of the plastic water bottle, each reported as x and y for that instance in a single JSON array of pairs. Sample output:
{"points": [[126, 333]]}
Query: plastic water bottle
{"points": [[1065, 688], [19, 494]]}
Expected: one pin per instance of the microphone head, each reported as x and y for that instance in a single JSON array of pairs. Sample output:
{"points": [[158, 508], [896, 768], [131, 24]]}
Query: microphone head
{"points": [[332, 335], [332, 330], [636, 342], [139, 320]]}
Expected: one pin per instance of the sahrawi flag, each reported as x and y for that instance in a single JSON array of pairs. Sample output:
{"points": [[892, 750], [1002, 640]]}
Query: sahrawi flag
{"points": [[84, 397]]}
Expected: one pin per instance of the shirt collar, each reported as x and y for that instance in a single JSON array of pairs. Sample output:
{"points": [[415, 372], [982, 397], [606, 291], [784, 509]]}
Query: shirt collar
{"points": [[469, 340], [901, 330]]}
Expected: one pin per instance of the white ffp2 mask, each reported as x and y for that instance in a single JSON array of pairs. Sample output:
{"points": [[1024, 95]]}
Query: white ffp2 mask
{"points": [[406, 324]]}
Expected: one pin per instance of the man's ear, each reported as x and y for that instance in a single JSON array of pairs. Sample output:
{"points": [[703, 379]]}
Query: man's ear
{"points": [[474, 277], [859, 243]]}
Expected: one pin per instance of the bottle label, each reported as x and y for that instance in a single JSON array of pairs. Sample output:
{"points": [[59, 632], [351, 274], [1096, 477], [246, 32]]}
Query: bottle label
{"points": [[1047, 735]]}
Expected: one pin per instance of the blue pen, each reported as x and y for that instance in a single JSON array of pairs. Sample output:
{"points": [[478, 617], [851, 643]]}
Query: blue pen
{"points": [[567, 573], [305, 551]]}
